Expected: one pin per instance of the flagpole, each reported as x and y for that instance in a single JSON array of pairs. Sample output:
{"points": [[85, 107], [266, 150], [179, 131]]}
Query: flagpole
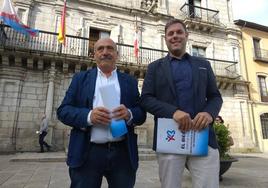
{"points": [[136, 30]]}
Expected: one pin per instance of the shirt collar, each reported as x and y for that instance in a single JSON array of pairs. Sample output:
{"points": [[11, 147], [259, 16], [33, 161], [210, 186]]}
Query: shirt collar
{"points": [[171, 58], [103, 75]]}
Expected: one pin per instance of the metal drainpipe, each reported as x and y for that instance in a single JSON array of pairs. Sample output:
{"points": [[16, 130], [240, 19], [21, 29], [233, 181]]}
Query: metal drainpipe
{"points": [[247, 78], [242, 118], [15, 123]]}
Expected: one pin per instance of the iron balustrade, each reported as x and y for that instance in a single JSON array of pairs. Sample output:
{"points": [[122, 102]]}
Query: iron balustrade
{"points": [[224, 68], [260, 54], [46, 42], [200, 13], [145, 55]]}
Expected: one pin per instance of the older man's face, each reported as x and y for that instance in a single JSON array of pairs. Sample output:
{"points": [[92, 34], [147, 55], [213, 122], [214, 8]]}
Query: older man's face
{"points": [[105, 54]]}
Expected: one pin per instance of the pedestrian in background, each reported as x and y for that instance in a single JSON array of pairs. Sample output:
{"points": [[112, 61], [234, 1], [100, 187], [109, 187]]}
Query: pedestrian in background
{"points": [[42, 134]]}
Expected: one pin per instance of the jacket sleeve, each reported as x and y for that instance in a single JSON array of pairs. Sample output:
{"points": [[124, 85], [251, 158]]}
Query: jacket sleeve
{"points": [[149, 99], [214, 99], [71, 112], [138, 113]]}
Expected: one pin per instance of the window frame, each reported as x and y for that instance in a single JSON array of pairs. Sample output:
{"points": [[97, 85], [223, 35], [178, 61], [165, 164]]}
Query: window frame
{"points": [[264, 125], [257, 47], [198, 48], [263, 88]]}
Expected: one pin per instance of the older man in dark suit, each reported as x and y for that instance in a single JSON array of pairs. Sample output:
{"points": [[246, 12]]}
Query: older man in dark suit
{"points": [[183, 87], [93, 151]]}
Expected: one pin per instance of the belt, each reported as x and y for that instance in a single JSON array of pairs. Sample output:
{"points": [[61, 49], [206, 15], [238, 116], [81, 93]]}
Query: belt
{"points": [[109, 144]]}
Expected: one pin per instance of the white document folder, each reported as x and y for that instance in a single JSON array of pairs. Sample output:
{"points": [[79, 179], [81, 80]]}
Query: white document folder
{"points": [[171, 140], [109, 99], [108, 95]]}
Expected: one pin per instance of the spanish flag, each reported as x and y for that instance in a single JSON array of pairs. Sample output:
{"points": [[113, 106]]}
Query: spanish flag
{"points": [[62, 31]]}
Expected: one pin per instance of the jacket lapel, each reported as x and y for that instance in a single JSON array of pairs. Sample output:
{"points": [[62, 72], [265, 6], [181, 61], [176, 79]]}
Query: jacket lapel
{"points": [[195, 74], [167, 72], [123, 87], [90, 86]]}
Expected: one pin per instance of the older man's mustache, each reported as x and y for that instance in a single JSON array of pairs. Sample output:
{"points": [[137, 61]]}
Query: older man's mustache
{"points": [[108, 57]]}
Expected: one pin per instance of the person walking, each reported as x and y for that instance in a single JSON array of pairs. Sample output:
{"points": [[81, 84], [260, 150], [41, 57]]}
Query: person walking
{"points": [[42, 134]]}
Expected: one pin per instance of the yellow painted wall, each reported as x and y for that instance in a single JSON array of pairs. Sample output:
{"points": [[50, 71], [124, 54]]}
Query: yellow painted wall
{"points": [[255, 67], [250, 70]]}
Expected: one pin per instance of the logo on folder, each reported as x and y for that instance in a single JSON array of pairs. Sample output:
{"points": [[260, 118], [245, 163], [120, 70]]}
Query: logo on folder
{"points": [[170, 135]]}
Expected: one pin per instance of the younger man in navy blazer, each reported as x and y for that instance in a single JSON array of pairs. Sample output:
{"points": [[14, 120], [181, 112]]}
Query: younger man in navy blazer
{"points": [[183, 87]]}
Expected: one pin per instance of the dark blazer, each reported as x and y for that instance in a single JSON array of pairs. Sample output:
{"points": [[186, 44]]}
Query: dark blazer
{"points": [[76, 105], [159, 95]]}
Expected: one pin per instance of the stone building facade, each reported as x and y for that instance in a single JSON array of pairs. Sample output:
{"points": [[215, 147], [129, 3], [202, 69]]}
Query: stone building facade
{"points": [[35, 72]]}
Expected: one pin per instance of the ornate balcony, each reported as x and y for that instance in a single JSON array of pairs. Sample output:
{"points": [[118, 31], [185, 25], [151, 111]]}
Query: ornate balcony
{"points": [[260, 55], [200, 18], [77, 52]]}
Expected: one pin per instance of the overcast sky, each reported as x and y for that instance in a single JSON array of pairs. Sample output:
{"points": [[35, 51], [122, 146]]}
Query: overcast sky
{"points": [[251, 10]]}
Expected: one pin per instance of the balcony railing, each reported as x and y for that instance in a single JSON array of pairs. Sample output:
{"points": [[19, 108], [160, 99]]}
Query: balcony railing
{"points": [[224, 68], [146, 55], [76, 46], [200, 13], [260, 54], [46, 42]]}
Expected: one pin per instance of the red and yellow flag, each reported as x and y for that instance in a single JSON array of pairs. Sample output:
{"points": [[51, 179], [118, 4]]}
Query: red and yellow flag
{"points": [[136, 44], [62, 31]]}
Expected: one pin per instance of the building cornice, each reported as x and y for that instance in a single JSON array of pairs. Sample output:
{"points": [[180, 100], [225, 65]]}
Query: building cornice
{"points": [[251, 25], [128, 10]]}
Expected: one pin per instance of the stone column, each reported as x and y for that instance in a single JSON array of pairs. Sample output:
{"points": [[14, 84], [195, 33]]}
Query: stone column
{"points": [[30, 63], [5, 60], [77, 67], [18, 62], [65, 68], [50, 91], [40, 64]]}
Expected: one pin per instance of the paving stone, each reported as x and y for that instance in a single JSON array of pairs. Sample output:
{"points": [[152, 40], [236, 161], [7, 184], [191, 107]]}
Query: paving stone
{"points": [[250, 171]]}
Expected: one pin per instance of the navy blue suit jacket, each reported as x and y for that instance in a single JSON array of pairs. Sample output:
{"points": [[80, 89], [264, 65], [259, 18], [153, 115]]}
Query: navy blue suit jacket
{"points": [[76, 105], [159, 95]]}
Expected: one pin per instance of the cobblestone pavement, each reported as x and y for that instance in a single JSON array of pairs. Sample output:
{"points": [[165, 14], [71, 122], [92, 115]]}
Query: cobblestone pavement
{"points": [[250, 171]]}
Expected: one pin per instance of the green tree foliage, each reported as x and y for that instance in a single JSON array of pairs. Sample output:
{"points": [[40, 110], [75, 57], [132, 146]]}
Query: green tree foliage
{"points": [[223, 138]]}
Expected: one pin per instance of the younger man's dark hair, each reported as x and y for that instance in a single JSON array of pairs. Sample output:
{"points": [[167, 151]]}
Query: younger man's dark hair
{"points": [[174, 21]]}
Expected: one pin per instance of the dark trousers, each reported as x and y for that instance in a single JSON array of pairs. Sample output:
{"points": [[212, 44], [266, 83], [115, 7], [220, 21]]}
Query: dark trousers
{"points": [[110, 161], [42, 142]]}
